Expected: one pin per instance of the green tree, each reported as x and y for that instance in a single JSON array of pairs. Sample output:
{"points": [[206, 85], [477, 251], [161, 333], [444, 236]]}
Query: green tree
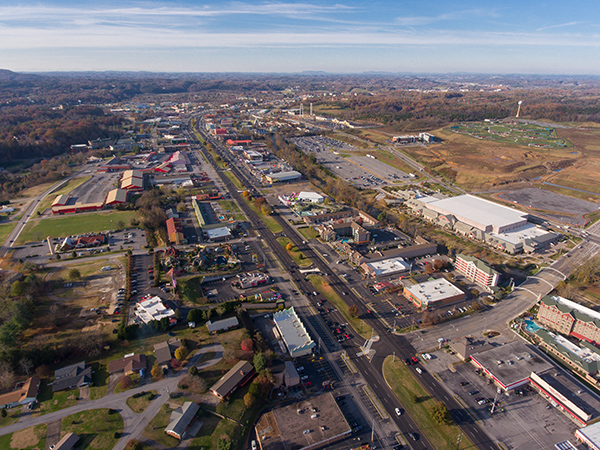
{"points": [[193, 371], [224, 444], [74, 274], [195, 315], [440, 414], [260, 361], [249, 400], [17, 289]]}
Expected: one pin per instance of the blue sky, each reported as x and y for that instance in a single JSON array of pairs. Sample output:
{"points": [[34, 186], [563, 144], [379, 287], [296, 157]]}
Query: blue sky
{"points": [[345, 36]]}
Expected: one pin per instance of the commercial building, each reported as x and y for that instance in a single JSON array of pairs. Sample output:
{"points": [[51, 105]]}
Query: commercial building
{"points": [[421, 248], [175, 231], [502, 227], [116, 196], [154, 309], [314, 423], [590, 435], [61, 200], [26, 393], [283, 176], [239, 375], [476, 270], [292, 332], [181, 420], [331, 232], [511, 364], [221, 233], [433, 293], [72, 377], [570, 318], [222, 325], [385, 267], [251, 279], [77, 208]]}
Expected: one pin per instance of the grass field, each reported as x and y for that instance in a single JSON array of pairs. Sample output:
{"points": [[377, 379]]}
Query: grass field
{"points": [[72, 184], [5, 230], [308, 233], [269, 221], [95, 428], [236, 182], [297, 255], [36, 230], [155, 430], [356, 323], [27, 439], [139, 404], [408, 389]]}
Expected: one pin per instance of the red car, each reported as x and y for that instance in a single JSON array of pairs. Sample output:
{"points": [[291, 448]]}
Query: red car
{"points": [[415, 360], [307, 383], [347, 336]]}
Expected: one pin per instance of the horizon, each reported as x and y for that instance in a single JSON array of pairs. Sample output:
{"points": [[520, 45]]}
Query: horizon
{"points": [[350, 36]]}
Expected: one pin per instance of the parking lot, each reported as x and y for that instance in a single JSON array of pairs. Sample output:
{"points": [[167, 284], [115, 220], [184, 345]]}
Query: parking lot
{"points": [[95, 189], [511, 423]]}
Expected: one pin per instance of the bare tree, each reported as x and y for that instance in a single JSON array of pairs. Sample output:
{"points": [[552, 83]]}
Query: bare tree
{"points": [[7, 376]]}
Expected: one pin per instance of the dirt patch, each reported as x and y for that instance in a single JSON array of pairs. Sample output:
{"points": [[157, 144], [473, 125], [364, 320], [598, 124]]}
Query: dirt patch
{"points": [[25, 438]]}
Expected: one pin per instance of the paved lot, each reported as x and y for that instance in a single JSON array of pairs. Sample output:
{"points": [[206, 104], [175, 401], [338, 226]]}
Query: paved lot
{"points": [[512, 421], [566, 209], [95, 189]]}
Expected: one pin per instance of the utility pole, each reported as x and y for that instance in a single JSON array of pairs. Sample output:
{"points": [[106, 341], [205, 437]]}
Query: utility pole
{"points": [[394, 356], [373, 431]]}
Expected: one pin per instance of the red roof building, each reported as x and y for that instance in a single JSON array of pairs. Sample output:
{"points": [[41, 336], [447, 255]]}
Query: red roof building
{"points": [[175, 231]]}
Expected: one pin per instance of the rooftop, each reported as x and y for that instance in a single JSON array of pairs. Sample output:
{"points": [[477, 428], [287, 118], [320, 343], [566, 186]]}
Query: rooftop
{"points": [[388, 266], [313, 422], [292, 329], [434, 290], [511, 362]]}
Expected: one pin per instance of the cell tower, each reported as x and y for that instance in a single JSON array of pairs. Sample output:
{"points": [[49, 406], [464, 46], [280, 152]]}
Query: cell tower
{"points": [[519, 108]]}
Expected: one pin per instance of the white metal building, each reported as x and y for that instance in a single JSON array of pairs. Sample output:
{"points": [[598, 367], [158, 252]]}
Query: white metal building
{"points": [[291, 330]]}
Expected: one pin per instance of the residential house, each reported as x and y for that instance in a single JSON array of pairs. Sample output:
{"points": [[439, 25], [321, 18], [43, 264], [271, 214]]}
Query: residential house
{"points": [[72, 377]]}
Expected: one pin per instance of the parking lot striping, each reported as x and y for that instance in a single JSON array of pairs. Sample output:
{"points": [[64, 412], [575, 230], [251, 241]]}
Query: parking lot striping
{"points": [[349, 363], [376, 403]]}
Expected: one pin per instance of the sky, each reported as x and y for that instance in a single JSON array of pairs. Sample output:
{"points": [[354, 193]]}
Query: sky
{"points": [[343, 36]]}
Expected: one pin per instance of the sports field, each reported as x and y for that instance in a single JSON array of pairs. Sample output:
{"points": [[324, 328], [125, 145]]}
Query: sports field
{"points": [[36, 230], [525, 134]]}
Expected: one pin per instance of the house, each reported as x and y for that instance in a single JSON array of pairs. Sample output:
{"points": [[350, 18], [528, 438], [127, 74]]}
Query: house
{"points": [[67, 442], [72, 377], [239, 375], [129, 364], [181, 419], [23, 395], [222, 325], [164, 351]]}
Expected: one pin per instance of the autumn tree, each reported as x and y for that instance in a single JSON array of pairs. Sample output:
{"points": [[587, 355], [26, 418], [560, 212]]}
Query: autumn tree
{"points": [[247, 345], [249, 400], [353, 311], [181, 353], [156, 372], [289, 247]]}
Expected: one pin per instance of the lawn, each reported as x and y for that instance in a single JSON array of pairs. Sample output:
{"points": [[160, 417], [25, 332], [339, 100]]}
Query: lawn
{"points": [[29, 438], [190, 290], [5, 230], [324, 288], [229, 206], [417, 402], [308, 233], [236, 182], [54, 401], [297, 255], [12, 416], [135, 381], [36, 230], [139, 404], [72, 184], [269, 221], [155, 430], [96, 428]]}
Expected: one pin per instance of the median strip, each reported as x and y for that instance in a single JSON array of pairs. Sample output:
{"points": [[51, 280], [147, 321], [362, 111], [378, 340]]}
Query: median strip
{"points": [[376, 403]]}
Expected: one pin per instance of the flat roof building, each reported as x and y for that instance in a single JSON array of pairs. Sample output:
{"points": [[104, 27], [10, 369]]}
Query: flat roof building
{"points": [[476, 270], [283, 176], [291, 330], [385, 267], [511, 364], [590, 435], [153, 309], [313, 423], [433, 293]]}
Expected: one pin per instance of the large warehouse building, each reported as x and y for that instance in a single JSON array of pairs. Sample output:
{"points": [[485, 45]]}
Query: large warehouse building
{"points": [[290, 328], [502, 227]]}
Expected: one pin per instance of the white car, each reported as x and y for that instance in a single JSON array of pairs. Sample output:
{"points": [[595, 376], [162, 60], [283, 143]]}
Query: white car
{"points": [[398, 412]]}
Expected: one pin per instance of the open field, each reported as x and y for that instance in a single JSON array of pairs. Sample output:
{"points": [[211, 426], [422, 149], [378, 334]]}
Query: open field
{"points": [[483, 164], [96, 428], [269, 221], [417, 403], [36, 230], [236, 182], [5, 230], [525, 134], [27, 439]]}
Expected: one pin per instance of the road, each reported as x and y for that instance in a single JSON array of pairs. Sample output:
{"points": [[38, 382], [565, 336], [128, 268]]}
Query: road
{"points": [[372, 372]]}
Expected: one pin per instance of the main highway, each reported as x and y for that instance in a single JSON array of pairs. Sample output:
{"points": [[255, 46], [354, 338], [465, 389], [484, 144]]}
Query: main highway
{"points": [[371, 370]]}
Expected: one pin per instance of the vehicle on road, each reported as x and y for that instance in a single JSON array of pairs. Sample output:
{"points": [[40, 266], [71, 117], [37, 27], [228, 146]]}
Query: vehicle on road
{"points": [[398, 412]]}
